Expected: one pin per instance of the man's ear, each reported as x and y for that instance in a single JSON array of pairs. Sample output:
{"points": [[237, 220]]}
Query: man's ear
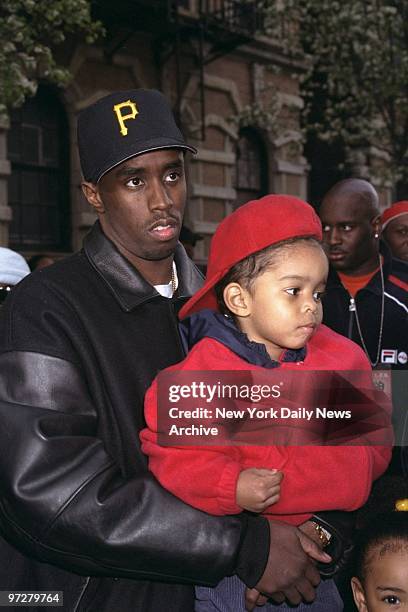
{"points": [[237, 300], [358, 594], [91, 192]]}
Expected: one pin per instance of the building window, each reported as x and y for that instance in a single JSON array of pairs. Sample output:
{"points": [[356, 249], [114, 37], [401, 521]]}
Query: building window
{"points": [[251, 167], [39, 186]]}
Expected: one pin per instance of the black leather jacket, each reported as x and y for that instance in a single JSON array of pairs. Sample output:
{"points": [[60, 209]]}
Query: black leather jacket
{"points": [[80, 343]]}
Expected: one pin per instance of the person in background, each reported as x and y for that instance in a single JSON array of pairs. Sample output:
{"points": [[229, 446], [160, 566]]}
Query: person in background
{"points": [[13, 268], [394, 222], [41, 260], [189, 239], [366, 297], [380, 577]]}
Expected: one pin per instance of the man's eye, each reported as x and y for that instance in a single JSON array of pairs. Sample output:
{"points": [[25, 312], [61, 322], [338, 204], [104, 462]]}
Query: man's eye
{"points": [[346, 228], [134, 182], [317, 295], [393, 600], [293, 290], [172, 177], [326, 228]]}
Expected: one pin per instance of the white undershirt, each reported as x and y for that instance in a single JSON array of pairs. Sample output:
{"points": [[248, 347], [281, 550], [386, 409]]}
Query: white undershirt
{"points": [[167, 290]]}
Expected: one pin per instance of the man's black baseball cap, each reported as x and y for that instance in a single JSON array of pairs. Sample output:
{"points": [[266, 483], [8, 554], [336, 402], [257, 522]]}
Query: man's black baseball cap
{"points": [[122, 125]]}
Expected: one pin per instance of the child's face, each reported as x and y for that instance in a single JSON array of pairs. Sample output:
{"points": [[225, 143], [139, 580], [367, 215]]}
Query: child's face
{"points": [[385, 586], [284, 303]]}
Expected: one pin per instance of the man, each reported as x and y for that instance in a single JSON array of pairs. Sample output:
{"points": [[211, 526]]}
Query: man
{"points": [[395, 229], [189, 239], [13, 268], [366, 297], [39, 261], [80, 344]]}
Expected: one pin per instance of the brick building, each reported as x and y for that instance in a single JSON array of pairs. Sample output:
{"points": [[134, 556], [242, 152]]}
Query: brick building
{"points": [[212, 59]]}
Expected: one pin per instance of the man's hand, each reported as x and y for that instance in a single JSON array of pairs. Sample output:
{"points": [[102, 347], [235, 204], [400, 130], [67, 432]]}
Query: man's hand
{"points": [[258, 488], [290, 573]]}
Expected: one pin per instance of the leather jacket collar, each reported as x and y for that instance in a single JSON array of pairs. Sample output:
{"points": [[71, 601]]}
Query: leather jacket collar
{"points": [[125, 282]]}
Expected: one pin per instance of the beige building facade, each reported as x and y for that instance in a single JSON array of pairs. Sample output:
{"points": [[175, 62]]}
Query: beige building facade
{"points": [[238, 103]]}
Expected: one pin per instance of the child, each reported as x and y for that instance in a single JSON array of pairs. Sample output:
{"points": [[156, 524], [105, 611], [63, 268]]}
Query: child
{"points": [[267, 272], [381, 574]]}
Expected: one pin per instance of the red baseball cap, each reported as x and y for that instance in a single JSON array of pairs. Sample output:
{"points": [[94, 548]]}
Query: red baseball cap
{"points": [[395, 210], [251, 228]]}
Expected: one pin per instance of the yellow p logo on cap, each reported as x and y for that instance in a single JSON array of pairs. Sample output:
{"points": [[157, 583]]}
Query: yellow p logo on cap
{"points": [[122, 118]]}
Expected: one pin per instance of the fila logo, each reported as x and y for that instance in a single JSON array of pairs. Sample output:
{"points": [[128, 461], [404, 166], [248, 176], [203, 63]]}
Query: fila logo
{"points": [[388, 356], [125, 117]]}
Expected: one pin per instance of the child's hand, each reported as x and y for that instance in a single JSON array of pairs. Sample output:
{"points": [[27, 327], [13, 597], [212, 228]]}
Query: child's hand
{"points": [[254, 598], [258, 488]]}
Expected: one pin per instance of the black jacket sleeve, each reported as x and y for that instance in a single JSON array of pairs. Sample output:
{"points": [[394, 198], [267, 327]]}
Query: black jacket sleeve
{"points": [[64, 500]]}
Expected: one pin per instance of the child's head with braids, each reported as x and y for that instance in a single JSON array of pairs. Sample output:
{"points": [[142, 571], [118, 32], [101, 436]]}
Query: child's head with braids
{"points": [[380, 580]]}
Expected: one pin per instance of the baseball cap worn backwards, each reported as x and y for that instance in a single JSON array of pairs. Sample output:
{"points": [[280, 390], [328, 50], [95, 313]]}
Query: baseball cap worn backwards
{"points": [[122, 125], [396, 210], [13, 267], [251, 228]]}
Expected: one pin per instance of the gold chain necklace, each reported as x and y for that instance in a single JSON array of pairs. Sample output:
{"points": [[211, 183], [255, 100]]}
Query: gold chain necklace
{"points": [[173, 279], [353, 308]]}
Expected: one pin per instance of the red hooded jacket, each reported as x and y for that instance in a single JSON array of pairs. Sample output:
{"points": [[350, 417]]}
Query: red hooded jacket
{"points": [[316, 478]]}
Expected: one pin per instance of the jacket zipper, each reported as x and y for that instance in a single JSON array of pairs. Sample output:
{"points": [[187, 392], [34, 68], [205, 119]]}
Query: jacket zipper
{"points": [[352, 309]]}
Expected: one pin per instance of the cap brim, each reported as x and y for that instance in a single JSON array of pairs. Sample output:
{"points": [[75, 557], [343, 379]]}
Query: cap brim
{"points": [[384, 225], [147, 148], [203, 298]]}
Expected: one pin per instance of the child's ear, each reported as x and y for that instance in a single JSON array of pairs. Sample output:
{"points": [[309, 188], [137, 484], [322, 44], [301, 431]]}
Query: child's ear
{"points": [[237, 300], [358, 594]]}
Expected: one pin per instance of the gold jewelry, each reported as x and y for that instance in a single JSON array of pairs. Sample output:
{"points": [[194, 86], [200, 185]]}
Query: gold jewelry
{"points": [[401, 505], [323, 534], [173, 279], [353, 308]]}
